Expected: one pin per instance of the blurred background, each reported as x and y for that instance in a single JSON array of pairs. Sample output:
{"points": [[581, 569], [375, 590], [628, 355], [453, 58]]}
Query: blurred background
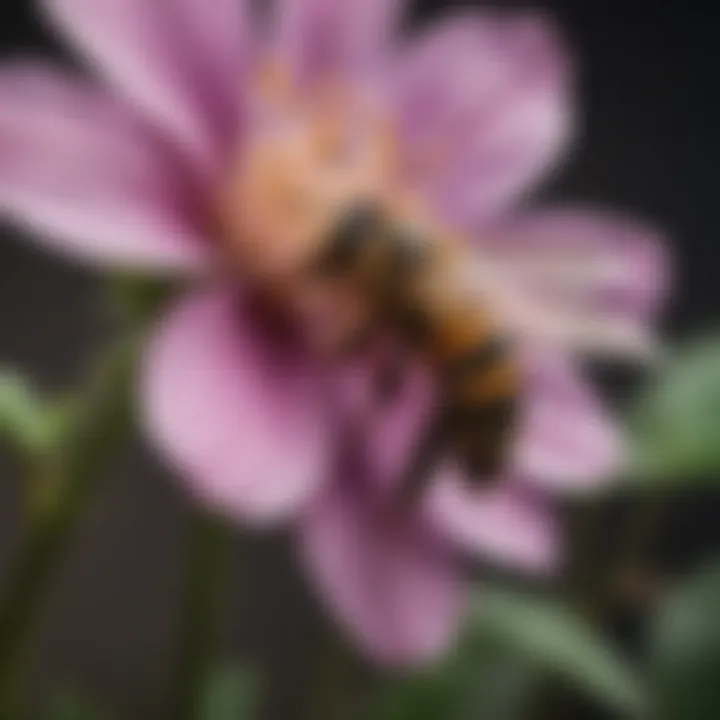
{"points": [[647, 146]]}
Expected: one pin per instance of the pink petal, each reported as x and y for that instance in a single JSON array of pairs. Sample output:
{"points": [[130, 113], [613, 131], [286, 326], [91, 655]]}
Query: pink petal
{"points": [[236, 411], [586, 258], [502, 522], [567, 440], [75, 166], [484, 106], [179, 61], [326, 36], [391, 427], [388, 583]]}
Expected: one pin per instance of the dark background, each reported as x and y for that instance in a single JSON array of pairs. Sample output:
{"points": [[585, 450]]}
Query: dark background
{"points": [[648, 147]]}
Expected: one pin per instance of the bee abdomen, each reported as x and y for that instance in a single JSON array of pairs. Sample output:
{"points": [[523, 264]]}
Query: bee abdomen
{"points": [[478, 434], [480, 406], [479, 359]]}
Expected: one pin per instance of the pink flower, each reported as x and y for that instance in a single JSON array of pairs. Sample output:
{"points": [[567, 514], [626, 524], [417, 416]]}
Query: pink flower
{"points": [[128, 173]]}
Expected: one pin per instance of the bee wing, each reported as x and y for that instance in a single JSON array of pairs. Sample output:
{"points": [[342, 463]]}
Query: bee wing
{"points": [[548, 302]]}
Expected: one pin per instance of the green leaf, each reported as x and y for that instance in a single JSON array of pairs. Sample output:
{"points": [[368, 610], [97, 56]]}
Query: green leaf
{"points": [[675, 426], [502, 687], [437, 695], [685, 650], [512, 642], [477, 683], [71, 705], [29, 423], [557, 640], [479, 680], [231, 693], [23, 422]]}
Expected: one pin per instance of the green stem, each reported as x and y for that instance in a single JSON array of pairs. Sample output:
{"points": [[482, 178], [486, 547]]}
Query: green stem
{"points": [[101, 425], [207, 561]]}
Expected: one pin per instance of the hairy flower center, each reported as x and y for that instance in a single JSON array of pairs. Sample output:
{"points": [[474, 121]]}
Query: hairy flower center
{"points": [[308, 157]]}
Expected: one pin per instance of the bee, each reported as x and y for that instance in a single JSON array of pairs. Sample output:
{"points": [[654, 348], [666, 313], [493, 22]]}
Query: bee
{"points": [[407, 275], [313, 204]]}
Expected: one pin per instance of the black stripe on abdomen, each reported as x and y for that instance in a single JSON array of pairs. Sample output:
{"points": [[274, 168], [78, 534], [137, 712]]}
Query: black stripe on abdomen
{"points": [[479, 433], [483, 357], [498, 412]]}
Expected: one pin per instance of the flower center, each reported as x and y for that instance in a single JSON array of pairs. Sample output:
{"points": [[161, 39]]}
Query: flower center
{"points": [[308, 156]]}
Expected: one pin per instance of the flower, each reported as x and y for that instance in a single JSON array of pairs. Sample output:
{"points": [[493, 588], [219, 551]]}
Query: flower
{"points": [[131, 172]]}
